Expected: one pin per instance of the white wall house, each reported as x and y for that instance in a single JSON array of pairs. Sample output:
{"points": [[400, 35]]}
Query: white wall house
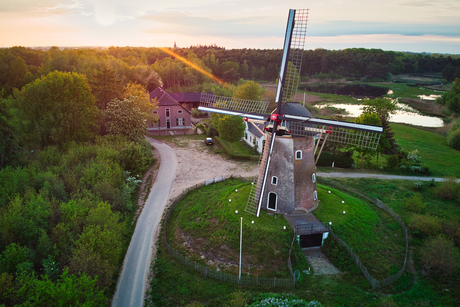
{"points": [[253, 136]]}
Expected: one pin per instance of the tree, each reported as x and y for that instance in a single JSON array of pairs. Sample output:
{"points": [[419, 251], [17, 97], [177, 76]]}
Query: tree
{"points": [[384, 108], [9, 142], [124, 117], [249, 90], [231, 128], [368, 119], [142, 100], [105, 87], [56, 109], [440, 255]]}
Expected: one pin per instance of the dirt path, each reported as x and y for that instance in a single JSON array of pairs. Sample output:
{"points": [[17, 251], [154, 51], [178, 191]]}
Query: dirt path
{"points": [[319, 262], [198, 162]]}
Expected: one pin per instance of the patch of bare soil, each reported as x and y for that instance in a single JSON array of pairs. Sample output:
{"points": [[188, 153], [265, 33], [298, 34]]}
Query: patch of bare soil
{"points": [[198, 163]]}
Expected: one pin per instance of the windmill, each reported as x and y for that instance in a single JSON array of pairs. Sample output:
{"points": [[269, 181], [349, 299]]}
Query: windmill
{"points": [[287, 174]]}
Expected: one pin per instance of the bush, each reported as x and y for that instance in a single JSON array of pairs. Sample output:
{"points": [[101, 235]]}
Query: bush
{"points": [[449, 189], [453, 139], [392, 161], [425, 224], [200, 126], [440, 255], [415, 203], [136, 158], [343, 161]]}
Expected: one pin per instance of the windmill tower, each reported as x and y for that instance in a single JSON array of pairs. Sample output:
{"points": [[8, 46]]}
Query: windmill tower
{"points": [[287, 174]]}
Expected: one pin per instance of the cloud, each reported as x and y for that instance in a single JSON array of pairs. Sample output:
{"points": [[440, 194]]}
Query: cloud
{"points": [[43, 7], [173, 21], [347, 27]]}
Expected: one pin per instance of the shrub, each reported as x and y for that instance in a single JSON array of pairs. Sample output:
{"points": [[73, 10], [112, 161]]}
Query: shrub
{"points": [[453, 139], [392, 161], [343, 161], [200, 126], [415, 203], [136, 158], [448, 189], [440, 255], [425, 224]]}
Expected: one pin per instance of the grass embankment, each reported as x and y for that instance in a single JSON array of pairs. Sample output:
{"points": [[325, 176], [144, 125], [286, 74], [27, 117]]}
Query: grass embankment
{"points": [[442, 159], [206, 220]]}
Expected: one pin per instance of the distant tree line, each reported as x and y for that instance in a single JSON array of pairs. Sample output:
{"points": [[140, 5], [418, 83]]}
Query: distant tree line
{"points": [[152, 67]]}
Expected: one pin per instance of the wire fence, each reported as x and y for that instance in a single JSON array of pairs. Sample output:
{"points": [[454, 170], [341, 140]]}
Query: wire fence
{"points": [[375, 283], [219, 275]]}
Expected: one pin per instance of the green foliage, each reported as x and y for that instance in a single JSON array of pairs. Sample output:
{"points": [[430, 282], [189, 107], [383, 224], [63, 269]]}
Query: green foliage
{"points": [[453, 138], [426, 225], [70, 290], [440, 255], [339, 256], [56, 109], [231, 128], [283, 299], [9, 142], [105, 87], [136, 158], [124, 117], [392, 161], [12, 256], [249, 90], [340, 160], [448, 189], [415, 203]]}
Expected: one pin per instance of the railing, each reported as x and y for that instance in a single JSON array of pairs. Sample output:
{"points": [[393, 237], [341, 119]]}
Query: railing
{"points": [[219, 275], [310, 228]]}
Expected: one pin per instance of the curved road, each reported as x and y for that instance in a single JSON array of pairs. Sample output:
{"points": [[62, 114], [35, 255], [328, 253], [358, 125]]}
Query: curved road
{"points": [[136, 266]]}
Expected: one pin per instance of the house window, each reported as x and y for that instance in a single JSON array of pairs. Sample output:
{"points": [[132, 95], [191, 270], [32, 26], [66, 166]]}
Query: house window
{"points": [[179, 121], [315, 195], [168, 123], [167, 112], [313, 177], [179, 112], [155, 112], [245, 135], [254, 141], [155, 123], [272, 200], [298, 155], [274, 180]]}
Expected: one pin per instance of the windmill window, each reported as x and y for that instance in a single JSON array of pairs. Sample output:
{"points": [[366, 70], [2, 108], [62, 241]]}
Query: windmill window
{"points": [[315, 195], [313, 177], [298, 155], [167, 112], [272, 200], [274, 180]]}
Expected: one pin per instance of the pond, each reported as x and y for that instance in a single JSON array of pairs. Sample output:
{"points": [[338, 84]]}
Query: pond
{"points": [[354, 90], [405, 114]]}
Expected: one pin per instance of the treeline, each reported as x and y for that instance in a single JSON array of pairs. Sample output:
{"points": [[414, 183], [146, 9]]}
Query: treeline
{"points": [[152, 67]]}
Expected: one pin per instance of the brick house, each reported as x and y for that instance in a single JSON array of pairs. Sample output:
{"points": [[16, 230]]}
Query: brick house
{"points": [[253, 135], [172, 117]]}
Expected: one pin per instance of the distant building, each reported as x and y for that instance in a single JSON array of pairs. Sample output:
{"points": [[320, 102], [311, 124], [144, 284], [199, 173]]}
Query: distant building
{"points": [[253, 135], [172, 117], [188, 100]]}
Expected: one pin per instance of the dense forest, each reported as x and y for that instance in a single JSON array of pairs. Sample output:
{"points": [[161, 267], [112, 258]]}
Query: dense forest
{"points": [[72, 150], [152, 67]]}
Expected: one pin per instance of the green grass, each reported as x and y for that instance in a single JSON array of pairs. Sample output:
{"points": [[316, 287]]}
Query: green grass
{"points": [[442, 160], [208, 218], [374, 236]]}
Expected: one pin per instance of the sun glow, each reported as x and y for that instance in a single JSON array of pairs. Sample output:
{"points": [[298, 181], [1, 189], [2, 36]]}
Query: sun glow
{"points": [[201, 70]]}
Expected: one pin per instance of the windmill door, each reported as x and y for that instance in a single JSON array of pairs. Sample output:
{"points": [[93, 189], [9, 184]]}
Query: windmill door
{"points": [[272, 199]]}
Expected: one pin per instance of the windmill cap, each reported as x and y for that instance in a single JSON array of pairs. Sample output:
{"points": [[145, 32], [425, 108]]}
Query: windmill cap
{"points": [[295, 108]]}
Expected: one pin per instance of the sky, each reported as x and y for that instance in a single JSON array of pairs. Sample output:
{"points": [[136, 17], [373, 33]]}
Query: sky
{"points": [[398, 25]]}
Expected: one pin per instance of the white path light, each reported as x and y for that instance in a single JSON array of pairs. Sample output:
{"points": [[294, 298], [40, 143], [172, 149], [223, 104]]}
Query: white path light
{"points": [[229, 200], [284, 227], [252, 222], [329, 192], [236, 211], [330, 223], [343, 201], [236, 190], [343, 212]]}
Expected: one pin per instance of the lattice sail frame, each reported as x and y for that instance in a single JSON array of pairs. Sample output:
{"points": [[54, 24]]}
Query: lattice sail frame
{"points": [[299, 32], [234, 104]]}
